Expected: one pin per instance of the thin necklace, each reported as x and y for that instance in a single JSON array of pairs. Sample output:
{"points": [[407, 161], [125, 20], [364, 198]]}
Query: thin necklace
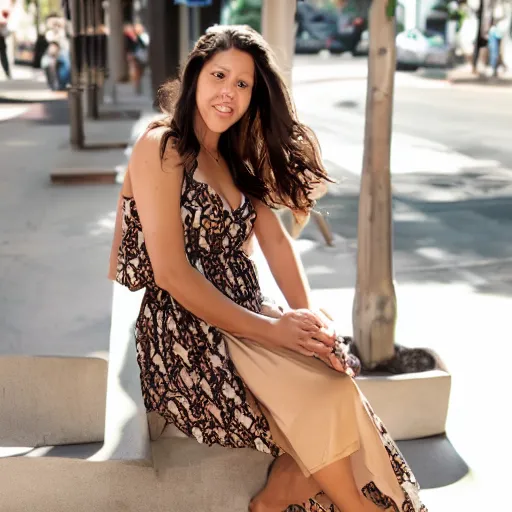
{"points": [[206, 149]]}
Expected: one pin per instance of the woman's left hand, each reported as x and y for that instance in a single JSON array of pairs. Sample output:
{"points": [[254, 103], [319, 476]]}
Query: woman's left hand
{"points": [[326, 334]]}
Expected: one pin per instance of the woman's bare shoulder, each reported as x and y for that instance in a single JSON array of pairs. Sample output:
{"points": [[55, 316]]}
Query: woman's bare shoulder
{"points": [[147, 152]]}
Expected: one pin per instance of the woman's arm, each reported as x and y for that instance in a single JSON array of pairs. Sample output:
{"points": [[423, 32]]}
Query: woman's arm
{"points": [[157, 192], [284, 263], [156, 188]]}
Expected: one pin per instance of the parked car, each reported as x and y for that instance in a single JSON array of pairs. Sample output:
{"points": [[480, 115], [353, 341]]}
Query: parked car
{"points": [[350, 31], [317, 29], [341, 31], [416, 48], [363, 46]]}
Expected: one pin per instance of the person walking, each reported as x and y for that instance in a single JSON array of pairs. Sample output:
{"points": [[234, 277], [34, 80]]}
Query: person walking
{"points": [[4, 32]]}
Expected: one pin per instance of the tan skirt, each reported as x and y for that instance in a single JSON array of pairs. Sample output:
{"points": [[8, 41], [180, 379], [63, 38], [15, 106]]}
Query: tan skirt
{"points": [[319, 416]]}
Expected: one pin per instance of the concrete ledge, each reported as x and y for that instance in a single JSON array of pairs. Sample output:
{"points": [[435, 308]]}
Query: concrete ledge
{"points": [[80, 175], [413, 405], [48, 484], [126, 422], [189, 477], [52, 400], [208, 478]]}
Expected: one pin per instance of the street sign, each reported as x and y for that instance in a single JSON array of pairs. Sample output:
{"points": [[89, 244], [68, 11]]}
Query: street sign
{"points": [[194, 3]]}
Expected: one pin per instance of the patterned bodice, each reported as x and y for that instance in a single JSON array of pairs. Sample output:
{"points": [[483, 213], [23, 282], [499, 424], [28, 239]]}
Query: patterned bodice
{"points": [[214, 238]]}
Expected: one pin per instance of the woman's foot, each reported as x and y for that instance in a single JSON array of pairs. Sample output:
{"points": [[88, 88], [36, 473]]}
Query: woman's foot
{"points": [[286, 485]]}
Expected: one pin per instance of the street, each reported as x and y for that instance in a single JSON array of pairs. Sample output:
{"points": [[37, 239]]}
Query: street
{"points": [[451, 165]]}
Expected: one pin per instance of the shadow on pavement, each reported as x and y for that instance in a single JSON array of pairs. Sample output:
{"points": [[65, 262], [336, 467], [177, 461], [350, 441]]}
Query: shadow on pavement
{"points": [[447, 228], [434, 461], [68, 451]]}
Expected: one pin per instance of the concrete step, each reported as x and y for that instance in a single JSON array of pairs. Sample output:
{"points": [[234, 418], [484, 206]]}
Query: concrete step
{"points": [[188, 476], [52, 400]]}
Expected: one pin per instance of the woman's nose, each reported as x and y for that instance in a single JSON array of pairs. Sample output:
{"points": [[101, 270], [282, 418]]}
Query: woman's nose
{"points": [[228, 90]]}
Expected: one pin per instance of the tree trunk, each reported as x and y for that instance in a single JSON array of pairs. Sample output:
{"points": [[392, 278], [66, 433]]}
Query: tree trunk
{"points": [[278, 28], [374, 311]]}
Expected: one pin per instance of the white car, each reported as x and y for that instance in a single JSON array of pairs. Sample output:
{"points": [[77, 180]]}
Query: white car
{"points": [[364, 44], [416, 48]]}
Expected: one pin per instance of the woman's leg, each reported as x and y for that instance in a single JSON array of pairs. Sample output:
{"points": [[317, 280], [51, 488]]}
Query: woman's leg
{"points": [[337, 481], [494, 53], [286, 485], [4, 60]]}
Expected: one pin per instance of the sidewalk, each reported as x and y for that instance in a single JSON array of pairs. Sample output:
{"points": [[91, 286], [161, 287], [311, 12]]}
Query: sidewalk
{"points": [[463, 75], [56, 238]]}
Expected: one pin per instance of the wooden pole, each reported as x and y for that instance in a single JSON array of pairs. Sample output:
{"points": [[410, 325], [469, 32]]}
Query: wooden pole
{"points": [[277, 27], [374, 311]]}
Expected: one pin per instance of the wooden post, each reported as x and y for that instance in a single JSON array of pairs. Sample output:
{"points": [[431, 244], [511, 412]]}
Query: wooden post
{"points": [[278, 28], [164, 46], [374, 311]]}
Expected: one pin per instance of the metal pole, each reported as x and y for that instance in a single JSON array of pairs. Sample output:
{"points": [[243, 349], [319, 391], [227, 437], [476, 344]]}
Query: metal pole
{"points": [[38, 16], [115, 46], [196, 24], [92, 32], [184, 34], [77, 138], [278, 26]]}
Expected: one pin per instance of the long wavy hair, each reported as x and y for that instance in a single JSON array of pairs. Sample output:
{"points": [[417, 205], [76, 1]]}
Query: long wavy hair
{"points": [[271, 155]]}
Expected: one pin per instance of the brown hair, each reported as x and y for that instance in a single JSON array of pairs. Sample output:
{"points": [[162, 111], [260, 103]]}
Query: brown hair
{"points": [[271, 155]]}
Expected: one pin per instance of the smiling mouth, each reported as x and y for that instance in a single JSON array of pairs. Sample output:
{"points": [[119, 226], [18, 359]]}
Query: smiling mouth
{"points": [[223, 109]]}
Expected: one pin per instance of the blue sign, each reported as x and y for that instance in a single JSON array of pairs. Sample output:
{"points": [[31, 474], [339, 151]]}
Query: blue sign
{"points": [[194, 3]]}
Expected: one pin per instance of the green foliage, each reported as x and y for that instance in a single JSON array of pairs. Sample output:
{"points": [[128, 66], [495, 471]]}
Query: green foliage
{"points": [[46, 7], [244, 12], [391, 8]]}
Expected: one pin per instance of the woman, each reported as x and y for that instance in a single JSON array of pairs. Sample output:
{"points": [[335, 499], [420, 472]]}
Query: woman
{"points": [[215, 360]]}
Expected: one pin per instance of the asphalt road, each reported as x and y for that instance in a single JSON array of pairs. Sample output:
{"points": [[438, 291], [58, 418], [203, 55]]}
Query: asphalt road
{"points": [[451, 170]]}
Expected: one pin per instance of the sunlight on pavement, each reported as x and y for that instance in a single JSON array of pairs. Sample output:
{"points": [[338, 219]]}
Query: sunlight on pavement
{"points": [[104, 225], [12, 111]]}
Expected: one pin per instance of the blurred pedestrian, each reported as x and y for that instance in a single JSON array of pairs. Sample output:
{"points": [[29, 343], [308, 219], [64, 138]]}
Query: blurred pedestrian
{"points": [[496, 34], [56, 59], [4, 32], [57, 67], [137, 42]]}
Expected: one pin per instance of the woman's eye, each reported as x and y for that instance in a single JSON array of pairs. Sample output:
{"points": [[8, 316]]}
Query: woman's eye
{"points": [[242, 85], [218, 74]]}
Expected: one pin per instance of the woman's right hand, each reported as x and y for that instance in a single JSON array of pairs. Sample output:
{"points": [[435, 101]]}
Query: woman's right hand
{"points": [[302, 331]]}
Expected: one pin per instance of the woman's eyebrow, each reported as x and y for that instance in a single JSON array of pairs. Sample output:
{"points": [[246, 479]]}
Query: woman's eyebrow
{"points": [[229, 70]]}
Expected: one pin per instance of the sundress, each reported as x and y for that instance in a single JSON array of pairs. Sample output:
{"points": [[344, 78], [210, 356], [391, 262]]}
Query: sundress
{"points": [[223, 390]]}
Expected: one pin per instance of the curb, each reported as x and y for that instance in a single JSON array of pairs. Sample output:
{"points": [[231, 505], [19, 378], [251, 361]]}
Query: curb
{"points": [[9, 97]]}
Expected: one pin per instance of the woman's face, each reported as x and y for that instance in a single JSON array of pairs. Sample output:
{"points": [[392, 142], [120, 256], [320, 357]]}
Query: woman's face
{"points": [[224, 89]]}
